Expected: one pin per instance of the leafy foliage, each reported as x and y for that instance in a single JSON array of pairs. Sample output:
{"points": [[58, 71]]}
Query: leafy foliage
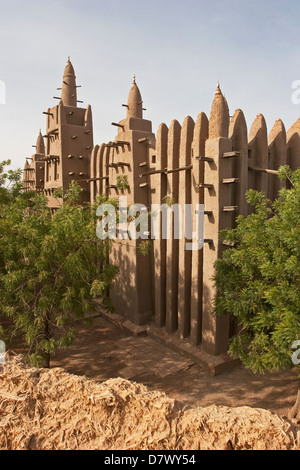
{"points": [[168, 200], [145, 247], [122, 182], [258, 280], [10, 182], [51, 268]]}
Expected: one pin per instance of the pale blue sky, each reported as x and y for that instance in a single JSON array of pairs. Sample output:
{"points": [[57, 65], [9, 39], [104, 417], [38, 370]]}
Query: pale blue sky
{"points": [[178, 51]]}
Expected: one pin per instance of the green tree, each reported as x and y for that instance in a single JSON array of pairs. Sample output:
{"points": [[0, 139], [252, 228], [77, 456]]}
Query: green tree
{"points": [[258, 281], [51, 268], [10, 182]]}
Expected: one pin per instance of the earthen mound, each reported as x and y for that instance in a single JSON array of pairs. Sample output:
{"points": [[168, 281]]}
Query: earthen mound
{"points": [[45, 409]]}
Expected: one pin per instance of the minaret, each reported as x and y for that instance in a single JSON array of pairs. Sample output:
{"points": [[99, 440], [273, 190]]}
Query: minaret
{"points": [[25, 179], [69, 89], [69, 141], [40, 145], [126, 159], [33, 176], [38, 163], [219, 191], [219, 116], [135, 102]]}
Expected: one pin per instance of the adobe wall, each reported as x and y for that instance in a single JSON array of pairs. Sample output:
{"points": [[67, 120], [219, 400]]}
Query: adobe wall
{"points": [[211, 161], [112, 164]]}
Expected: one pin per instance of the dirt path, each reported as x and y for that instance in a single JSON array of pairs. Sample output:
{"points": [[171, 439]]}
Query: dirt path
{"points": [[104, 351]]}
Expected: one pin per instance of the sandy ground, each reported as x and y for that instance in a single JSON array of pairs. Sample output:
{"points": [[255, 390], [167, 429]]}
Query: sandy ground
{"points": [[42, 409], [104, 351]]}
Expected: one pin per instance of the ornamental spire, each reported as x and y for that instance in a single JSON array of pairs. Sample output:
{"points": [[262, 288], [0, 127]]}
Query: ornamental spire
{"points": [[135, 102], [219, 116], [69, 89], [40, 145]]}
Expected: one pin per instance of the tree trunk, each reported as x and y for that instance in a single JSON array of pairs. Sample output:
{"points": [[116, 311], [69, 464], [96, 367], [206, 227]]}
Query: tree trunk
{"points": [[295, 411], [47, 361], [45, 364], [46, 355]]}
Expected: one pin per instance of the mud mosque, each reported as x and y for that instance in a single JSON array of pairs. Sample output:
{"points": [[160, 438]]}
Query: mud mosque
{"points": [[212, 161]]}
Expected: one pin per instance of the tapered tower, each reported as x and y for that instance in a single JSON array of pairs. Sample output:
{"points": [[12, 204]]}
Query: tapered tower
{"points": [[118, 168], [219, 190], [69, 141], [34, 169], [135, 102], [69, 87]]}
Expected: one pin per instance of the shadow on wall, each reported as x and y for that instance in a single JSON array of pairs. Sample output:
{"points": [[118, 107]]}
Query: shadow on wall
{"points": [[131, 292]]}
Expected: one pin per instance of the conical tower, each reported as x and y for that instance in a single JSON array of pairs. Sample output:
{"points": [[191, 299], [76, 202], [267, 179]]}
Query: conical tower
{"points": [[26, 175], [33, 175], [135, 102], [124, 161], [69, 88], [69, 141], [40, 144], [38, 162], [218, 200], [219, 116]]}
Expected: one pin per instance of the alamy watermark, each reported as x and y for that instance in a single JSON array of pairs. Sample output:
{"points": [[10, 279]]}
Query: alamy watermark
{"points": [[296, 354], [2, 92], [161, 222], [2, 352], [296, 93]]}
